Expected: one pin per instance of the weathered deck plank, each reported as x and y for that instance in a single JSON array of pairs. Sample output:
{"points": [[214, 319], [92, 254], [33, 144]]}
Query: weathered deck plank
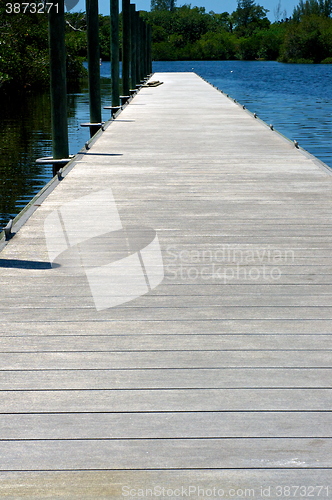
{"points": [[143, 454], [165, 425]]}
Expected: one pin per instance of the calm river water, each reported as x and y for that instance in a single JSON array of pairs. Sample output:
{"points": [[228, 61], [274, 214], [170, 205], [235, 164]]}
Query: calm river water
{"points": [[295, 98]]}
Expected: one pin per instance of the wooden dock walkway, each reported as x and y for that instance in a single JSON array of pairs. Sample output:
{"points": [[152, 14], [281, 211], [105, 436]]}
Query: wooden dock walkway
{"points": [[209, 375]]}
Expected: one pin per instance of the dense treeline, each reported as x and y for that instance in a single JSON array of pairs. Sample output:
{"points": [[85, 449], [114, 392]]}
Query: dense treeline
{"points": [[190, 33], [187, 33], [178, 33]]}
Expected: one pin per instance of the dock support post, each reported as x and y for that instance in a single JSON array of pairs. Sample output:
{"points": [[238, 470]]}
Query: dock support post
{"points": [[138, 49], [149, 49], [115, 52], [142, 49], [93, 64], [133, 45], [125, 46], [57, 50], [145, 49]]}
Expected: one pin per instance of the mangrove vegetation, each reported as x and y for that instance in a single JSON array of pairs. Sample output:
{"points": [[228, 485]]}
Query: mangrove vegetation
{"points": [[178, 33]]}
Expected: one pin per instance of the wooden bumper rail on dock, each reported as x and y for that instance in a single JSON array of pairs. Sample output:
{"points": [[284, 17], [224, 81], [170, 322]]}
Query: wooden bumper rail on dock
{"points": [[216, 375]]}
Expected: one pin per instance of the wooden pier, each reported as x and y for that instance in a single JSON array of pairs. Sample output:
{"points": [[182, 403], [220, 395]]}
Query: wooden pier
{"points": [[219, 377]]}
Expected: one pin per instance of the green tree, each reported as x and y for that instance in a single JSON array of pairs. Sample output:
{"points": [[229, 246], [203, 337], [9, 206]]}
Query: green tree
{"points": [[24, 57], [248, 48], [104, 37], [248, 18], [244, 11], [271, 41], [163, 5], [216, 45], [23, 49], [308, 41], [312, 7], [223, 21]]}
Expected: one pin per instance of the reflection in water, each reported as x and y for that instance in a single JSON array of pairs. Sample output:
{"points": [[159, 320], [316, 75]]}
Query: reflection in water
{"points": [[25, 132]]}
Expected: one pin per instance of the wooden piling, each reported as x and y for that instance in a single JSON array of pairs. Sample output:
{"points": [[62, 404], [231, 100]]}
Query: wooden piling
{"points": [[138, 48], [57, 51], [149, 49], [93, 64], [133, 45], [115, 52], [145, 49], [125, 46], [142, 75]]}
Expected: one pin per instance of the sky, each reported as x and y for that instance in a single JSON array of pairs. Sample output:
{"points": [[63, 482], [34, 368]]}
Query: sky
{"points": [[217, 6]]}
